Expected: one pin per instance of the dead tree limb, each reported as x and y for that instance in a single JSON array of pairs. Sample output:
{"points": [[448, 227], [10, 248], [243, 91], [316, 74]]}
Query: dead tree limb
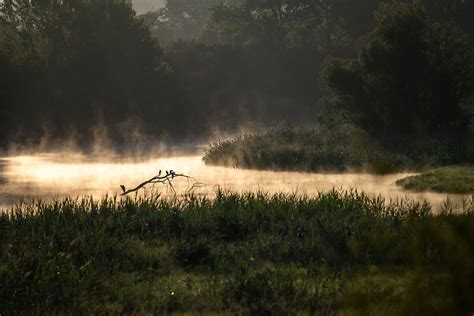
{"points": [[166, 179]]}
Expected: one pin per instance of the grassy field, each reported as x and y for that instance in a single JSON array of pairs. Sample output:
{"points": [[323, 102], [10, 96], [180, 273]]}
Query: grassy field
{"points": [[321, 149], [335, 253], [454, 179]]}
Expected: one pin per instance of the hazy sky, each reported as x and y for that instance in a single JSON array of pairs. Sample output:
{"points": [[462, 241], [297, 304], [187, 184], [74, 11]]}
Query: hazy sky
{"points": [[142, 6]]}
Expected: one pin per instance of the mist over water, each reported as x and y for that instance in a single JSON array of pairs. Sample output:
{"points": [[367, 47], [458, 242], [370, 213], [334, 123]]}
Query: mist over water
{"points": [[54, 176]]}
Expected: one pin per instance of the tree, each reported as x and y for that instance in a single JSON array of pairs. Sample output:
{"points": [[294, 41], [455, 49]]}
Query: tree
{"points": [[81, 60], [312, 24], [456, 11], [179, 19], [411, 77]]}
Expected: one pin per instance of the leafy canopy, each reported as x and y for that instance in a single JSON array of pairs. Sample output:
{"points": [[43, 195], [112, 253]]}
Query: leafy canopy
{"points": [[411, 76]]}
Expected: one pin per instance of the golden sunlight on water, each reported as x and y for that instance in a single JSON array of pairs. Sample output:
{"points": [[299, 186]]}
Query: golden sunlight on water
{"points": [[53, 176]]}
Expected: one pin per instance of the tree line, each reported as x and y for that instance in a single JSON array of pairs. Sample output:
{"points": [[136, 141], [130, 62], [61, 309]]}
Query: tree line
{"points": [[86, 69]]}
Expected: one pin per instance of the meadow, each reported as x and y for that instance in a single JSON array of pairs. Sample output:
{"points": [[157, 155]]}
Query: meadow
{"points": [[340, 252]]}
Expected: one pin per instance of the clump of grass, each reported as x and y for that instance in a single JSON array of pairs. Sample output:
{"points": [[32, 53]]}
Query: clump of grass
{"points": [[251, 253], [321, 149], [453, 179]]}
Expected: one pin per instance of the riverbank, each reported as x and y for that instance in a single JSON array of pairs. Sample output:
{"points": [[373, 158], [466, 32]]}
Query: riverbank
{"points": [[454, 179], [320, 149], [237, 253]]}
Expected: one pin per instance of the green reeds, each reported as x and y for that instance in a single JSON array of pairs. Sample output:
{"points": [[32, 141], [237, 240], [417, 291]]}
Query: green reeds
{"points": [[338, 149], [238, 253]]}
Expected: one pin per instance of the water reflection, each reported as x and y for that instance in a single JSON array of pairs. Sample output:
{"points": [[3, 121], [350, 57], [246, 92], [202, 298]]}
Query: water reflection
{"points": [[53, 176]]}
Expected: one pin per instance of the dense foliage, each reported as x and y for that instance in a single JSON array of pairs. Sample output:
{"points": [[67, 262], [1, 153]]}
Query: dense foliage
{"points": [[251, 254], [91, 70], [75, 64], [179, 19], [411, 77]]}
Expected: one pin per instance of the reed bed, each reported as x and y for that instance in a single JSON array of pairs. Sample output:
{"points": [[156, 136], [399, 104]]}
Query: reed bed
{"points": [[319, 149], [340, 252]]}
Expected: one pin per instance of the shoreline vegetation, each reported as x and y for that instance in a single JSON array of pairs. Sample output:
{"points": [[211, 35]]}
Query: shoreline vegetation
{"points": [[321, 149], [453, 179], [254, 253]]}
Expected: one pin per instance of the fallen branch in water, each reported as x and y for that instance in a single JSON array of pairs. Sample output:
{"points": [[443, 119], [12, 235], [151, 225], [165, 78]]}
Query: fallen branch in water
{"points": [[165, 180]]}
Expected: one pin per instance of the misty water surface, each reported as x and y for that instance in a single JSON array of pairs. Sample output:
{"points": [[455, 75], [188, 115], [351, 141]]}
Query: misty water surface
{"points": [[54, 176]]}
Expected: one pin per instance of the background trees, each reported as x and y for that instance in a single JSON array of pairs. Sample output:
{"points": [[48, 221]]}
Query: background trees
{"points": [[179, 19], [224, 65], [411, 77], [76, 62], [280, 24], [459, 12]]}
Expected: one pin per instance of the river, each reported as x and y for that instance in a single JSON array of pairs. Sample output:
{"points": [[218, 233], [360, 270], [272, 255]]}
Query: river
{"points": [[53, 176]]}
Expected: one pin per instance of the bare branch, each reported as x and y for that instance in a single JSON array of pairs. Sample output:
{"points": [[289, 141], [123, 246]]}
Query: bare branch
{"points": [[166, 179]]}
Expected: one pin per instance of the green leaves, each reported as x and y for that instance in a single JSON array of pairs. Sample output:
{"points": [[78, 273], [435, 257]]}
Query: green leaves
{"points": [[402, 82], [77, 61]]}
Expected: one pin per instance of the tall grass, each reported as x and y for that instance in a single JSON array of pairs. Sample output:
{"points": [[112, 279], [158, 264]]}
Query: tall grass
{"points": [[337, 149], [252, 253]]}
